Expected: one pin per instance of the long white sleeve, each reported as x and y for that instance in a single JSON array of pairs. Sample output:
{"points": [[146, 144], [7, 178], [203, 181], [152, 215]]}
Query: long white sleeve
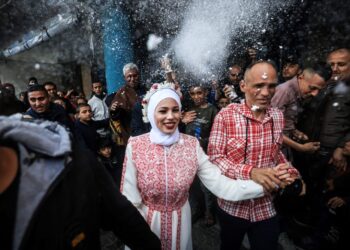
{"points": [[129, 184], [222, 186]]}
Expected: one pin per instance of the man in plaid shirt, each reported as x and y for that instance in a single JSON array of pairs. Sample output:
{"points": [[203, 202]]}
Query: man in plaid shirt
{"points": [[245, 144]]}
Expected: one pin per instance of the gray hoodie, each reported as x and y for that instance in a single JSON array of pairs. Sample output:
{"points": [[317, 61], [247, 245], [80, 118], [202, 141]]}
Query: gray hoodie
{"points": [[43, 150]]}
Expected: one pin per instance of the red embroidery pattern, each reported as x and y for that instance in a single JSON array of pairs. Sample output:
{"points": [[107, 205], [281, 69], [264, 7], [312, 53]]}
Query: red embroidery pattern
{"points": [[178, 231], [164, 177], [123, 174]]}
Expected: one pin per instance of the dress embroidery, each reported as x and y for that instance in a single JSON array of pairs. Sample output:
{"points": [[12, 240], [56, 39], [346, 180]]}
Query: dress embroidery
{"points": [[164, 182]]}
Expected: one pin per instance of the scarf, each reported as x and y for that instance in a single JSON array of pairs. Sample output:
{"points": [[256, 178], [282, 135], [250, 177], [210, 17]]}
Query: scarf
{"points": [[156, 135]]}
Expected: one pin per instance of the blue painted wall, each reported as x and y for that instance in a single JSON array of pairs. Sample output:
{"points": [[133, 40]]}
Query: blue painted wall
{"points": [[117, 47]]}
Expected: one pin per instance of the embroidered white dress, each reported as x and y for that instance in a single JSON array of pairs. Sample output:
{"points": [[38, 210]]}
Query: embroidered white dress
{"points": [[157, 179]]}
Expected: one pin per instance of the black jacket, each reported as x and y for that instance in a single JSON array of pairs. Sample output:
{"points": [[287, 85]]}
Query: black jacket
{"points": [[86, 134], [61, 197], [54, 113], [326, 117], [335, 116], [82, 200]]}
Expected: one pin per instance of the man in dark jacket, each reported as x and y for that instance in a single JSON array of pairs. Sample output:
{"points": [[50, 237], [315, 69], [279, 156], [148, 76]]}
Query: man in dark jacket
{"points": [[42, 108], [327, 120], [328, 117], [53, 197]]}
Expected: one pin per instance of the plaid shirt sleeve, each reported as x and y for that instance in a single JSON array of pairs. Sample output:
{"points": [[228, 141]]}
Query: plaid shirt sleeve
{"points": [[281, 158], [217, 151]]}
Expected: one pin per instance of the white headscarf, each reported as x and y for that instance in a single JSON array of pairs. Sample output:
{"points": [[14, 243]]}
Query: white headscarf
{"points": [[157, 136]]}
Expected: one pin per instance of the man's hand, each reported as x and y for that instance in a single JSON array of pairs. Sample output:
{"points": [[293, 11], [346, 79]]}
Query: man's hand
{"points": [[283, 175], [338, 160], [69, 92], [188, 117], [309, 147], [336, 202], [303, 190], [266, 177], [115, 105], [300, 136], [227, 91], [165, 64]]}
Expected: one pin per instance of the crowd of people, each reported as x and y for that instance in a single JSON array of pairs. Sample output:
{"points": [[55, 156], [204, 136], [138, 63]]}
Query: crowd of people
{"points": [[260, 151]]}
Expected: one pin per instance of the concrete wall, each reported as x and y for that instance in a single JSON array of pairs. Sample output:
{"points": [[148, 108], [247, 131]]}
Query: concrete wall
{"points": [[18, 72], [58, 60]]}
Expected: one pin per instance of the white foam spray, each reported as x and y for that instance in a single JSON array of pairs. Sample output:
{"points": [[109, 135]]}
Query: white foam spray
{"points": [[208, 26]]}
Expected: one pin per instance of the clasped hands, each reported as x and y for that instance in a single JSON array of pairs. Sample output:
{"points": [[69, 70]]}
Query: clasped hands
{"points": [[273, 178]]}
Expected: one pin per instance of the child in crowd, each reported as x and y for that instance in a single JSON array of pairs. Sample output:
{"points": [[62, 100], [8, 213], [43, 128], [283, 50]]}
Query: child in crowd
{"points": [[198, 121], [81, 100], [59, 101], [98, 106], [107, 157], [86, 128], [223, 102]]}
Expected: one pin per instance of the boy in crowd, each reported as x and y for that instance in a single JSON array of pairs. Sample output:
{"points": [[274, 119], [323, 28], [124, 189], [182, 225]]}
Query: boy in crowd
{"points": [[223, 102], [200, 117], [198, 123], [98, 106], [86, 128], [106, 156]]}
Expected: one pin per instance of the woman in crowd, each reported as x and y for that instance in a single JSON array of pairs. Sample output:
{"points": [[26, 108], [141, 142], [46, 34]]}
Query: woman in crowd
{"points": [[160, 166]]}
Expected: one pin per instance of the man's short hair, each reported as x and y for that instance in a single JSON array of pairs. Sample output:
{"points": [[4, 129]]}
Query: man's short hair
{"points": [[294, 60], [196, 84], [33, 79], [235, 65], [130, 66], [104, 142], [37, 87], [322, 69], [343, 49], [49, 83], [250, 66], [56, 98], [92, 84], [77, 110]]}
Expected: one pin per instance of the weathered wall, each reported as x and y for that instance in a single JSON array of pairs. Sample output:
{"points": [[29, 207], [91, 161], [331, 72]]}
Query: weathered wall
{"points": [[57, 60]]}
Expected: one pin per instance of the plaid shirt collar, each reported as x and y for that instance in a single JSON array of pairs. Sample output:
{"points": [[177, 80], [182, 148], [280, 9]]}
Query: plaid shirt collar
{"points": [[244, 110]]}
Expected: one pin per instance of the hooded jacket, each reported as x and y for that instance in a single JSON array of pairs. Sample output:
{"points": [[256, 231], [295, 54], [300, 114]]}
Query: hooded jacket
{"points": [[65, 196]]}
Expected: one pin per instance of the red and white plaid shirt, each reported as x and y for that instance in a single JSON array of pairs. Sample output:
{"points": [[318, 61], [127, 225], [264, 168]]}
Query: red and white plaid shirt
{"points": [[238, 142]]}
